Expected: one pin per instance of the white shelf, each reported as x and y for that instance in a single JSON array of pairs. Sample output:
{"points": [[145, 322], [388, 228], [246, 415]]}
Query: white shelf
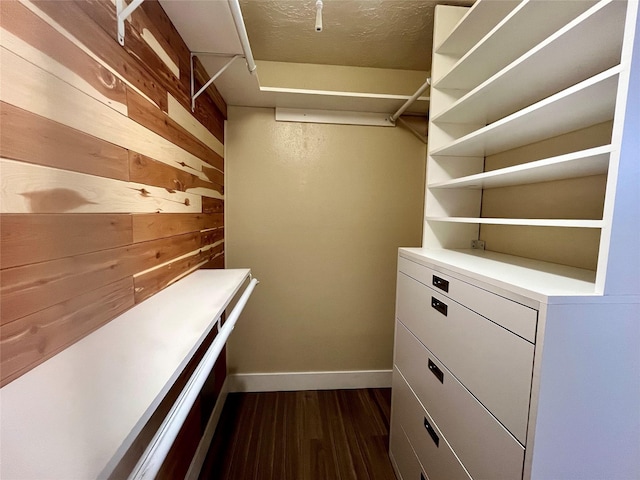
{"points": [[532, 222], [587, 103], [528, 24], [483, 16], [527, 277], [586, 46], [343, 101], [594, 161], [78, 412]]}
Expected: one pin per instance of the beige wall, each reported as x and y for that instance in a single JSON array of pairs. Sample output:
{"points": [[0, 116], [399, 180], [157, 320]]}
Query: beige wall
{"points": [[318, 212]]}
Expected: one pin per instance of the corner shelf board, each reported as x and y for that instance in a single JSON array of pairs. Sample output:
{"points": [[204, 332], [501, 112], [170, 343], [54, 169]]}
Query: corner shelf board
{"points": [[585, 163], [531, 222], [586, 46], [480, 19], [528, 24], [587, 103]]}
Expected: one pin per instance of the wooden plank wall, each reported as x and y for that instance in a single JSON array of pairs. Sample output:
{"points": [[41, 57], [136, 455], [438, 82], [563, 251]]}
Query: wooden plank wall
{"points": [[111, 189]]}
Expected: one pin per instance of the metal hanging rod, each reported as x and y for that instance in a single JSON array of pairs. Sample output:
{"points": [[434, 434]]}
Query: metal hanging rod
{"points": [[236, 13], [410, 101], [156, 452]]}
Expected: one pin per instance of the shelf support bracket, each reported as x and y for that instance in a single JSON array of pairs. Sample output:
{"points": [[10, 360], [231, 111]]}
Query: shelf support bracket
{"points": [[122, 13], [195, 95]]}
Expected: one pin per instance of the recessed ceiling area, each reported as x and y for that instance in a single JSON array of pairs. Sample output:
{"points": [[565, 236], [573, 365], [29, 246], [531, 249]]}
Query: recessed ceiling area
{"points": [[394, 34], [373, 54]]}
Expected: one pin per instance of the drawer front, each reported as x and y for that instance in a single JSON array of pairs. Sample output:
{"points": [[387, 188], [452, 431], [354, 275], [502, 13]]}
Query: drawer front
{"points": [[430, 446], [484, 446], [492, 363], [405, 462], [511, 315]]}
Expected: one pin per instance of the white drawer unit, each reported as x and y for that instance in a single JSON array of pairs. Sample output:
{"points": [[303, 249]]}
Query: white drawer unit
{"points": [[513, 316], [431, 447], [490, 361], [489, 450], [518, 318], [402, 455]]}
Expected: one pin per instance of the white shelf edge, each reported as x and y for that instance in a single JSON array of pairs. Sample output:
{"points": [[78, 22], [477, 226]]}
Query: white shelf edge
{"points": [[543, 281], [496, 128], [525, 18], [544, 49], [584, 163], [481, 18], [532, 222]]}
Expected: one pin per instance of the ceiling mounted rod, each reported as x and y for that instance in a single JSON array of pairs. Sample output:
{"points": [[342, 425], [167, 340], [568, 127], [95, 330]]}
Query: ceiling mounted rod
{"points": [[122, 13], [236, 13], [195, 95], [408, 103]]}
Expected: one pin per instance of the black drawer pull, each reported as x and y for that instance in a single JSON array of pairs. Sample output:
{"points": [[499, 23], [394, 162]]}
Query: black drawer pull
{"points": [[436, 371], [432, 432], [441, 283], [438, 305]]}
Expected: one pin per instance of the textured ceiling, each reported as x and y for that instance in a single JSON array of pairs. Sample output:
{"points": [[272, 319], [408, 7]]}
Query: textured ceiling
{"points": [[364, 33]]}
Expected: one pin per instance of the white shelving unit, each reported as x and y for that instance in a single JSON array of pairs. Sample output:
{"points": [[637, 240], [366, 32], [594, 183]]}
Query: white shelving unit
{"points": [[534, 148]]}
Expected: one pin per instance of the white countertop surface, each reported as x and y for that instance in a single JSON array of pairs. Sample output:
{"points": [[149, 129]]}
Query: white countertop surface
{"points": [[71, 415]]}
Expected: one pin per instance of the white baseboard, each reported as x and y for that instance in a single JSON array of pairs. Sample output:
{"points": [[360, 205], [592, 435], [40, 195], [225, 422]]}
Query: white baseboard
{"points": [[294, 381], [205, 442]]}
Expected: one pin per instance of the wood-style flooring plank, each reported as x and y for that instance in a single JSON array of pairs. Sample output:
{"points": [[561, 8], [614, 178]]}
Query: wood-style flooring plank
{"points": [[297, 435]]}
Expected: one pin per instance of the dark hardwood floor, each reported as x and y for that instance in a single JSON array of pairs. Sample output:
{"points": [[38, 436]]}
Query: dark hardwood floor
{"points": [[310, 435]]}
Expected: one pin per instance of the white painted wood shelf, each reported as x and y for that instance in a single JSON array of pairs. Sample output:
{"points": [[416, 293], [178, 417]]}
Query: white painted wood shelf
{"points": [[75, 415], [528, 24], [479, 20], [585, 47], [533, 222], [594, 161], [590, 102]]}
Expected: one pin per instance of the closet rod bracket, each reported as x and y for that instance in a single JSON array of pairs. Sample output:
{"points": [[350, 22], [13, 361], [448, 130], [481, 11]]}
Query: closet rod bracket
{"points": [[122, 13], [194, 94]]}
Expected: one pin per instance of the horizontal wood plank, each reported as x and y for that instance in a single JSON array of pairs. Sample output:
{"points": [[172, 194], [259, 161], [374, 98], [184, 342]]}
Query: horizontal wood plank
{"points": [[212, 205], [152, 281], [29, 288], [31, 340], [202, 77], [152, 226], [31, 88], [103, 14], [30, 37], [143, 169], [30, 188], [75, 21], [206, 111], [31, 138], [186, 120], [151, 117], [40, 238]]}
